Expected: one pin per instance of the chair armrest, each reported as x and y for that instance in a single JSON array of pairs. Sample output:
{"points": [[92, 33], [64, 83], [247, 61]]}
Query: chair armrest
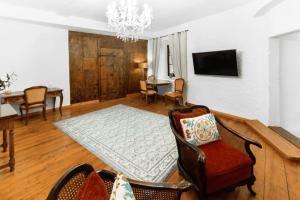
{"points": [[237, 134], [181, 186]]}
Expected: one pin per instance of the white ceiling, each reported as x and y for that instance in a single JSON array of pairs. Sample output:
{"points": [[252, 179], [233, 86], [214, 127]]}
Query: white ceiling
{"points": [[167, 13]]}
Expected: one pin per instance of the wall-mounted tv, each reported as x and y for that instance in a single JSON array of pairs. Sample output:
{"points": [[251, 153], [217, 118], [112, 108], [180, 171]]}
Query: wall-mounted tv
{"points": [[223, 63]]}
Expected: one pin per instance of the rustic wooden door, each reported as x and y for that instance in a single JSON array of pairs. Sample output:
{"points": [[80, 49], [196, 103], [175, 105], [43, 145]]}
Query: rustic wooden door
{"points": [[112, 74]]}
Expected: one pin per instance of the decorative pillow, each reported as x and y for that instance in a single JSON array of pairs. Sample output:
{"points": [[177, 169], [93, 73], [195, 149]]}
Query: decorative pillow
{"points": [[92, 189], [200, 130], [121, 189], [178, 116]]}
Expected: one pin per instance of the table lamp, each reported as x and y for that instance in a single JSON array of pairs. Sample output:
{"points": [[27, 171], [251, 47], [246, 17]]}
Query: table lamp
{"points": [[144, 66]]}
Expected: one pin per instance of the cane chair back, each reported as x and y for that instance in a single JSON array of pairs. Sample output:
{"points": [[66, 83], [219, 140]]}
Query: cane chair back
{"points": [[179, 85], [35, 95], [68, 186], [143, 85], [151, 78]]}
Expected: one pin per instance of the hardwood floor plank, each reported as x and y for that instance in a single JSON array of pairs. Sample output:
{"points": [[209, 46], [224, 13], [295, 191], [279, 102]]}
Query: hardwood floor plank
{"points": [[292, 170], [275, 184]]}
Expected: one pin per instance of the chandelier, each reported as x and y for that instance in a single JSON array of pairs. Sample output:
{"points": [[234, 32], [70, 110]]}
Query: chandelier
{"points": [[125, 20]]}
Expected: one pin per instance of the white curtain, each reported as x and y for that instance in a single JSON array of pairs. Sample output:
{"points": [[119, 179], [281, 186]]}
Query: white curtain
{"points": [[155, 53], [178, 50]]}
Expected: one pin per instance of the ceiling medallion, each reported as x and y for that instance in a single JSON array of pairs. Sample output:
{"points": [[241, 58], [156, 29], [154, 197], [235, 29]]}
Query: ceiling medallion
{"points": [[125, 20]]}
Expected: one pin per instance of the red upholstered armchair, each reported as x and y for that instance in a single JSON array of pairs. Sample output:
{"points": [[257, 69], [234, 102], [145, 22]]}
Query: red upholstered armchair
{"points": [[218, 166]]}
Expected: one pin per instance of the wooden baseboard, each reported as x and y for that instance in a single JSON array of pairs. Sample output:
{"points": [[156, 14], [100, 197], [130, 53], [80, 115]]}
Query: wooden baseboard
{"points": [[287, 135]]}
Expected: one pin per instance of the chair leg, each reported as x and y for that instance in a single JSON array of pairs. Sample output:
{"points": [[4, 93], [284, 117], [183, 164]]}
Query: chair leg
{"points": [[26, 120], [21, 111], [146, 98], [155, 97], [249, 186], [44, 113]]}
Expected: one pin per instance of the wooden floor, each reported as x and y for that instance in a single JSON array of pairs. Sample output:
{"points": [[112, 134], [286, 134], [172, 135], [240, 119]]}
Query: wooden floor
{"points": [[43, 154]]}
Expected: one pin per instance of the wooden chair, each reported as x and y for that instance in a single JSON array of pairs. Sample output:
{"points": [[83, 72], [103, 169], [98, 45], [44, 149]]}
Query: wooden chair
{"points": [[68, 186], [147, 92], [151, 78], [178, 92], [35, 97], [218, 166]]}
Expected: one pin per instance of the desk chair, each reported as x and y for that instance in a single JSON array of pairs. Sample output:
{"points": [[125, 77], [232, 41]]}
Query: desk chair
{"points": [[35, 97], [147, 92]]}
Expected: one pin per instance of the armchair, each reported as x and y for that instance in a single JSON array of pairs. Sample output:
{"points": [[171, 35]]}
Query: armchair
{"points": [[68, 186], [218, 166]]}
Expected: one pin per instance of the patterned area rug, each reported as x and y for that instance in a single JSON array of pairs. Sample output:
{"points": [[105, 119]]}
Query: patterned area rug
{"points": [[138, 143]]}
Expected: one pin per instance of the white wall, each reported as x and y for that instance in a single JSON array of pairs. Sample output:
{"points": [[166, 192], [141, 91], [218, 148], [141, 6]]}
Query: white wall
{"points": [[290, 83], [284, 18], [37, 54], [274, 79], [248, 94]]}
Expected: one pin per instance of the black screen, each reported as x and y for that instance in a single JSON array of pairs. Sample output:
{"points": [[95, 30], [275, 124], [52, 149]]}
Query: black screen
{"points": [[216, 63]]}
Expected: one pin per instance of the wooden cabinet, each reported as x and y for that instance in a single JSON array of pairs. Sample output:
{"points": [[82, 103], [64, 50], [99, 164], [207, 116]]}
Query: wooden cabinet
{"points": [[103, 67]]}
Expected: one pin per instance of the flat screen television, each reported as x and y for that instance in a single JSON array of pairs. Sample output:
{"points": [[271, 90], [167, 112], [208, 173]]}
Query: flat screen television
{"points": [[223, 63]]}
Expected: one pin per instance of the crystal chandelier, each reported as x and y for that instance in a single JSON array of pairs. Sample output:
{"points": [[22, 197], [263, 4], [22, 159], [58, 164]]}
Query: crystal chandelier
{"points": [[124, 19]]}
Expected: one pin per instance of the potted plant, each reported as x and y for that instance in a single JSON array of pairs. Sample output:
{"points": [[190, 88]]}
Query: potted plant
{"points": [[5, 82]]}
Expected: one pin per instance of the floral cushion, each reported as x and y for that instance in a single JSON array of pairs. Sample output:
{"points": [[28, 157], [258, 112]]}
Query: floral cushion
{"points": [[121, 189], [200, 130]]}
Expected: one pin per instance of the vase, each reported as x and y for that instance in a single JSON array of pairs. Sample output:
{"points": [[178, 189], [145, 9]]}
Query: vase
{"points": [[7, 91]]}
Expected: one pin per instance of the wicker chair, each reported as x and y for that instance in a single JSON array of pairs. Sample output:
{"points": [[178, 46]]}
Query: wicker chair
{"points": [[204, 166], [68, 185]]}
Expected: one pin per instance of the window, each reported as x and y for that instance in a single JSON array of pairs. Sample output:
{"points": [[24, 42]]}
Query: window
{"points": [[171, 73]]}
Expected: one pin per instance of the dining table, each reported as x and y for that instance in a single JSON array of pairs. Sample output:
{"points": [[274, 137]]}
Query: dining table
{"points": [[157, 82]]}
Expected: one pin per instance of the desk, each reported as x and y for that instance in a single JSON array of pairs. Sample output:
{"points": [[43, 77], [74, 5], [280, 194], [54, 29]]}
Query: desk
{"points": [[18, 97], [7, 117], [157, 82]]}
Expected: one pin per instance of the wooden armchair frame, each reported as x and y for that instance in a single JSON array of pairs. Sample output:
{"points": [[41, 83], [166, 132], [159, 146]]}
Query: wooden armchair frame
{"points": [[188, 153], [68, 185]]}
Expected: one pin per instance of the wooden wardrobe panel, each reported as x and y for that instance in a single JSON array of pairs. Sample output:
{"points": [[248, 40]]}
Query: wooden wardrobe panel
{"points": [[76, 68], [111, 64], [90, 68]]}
